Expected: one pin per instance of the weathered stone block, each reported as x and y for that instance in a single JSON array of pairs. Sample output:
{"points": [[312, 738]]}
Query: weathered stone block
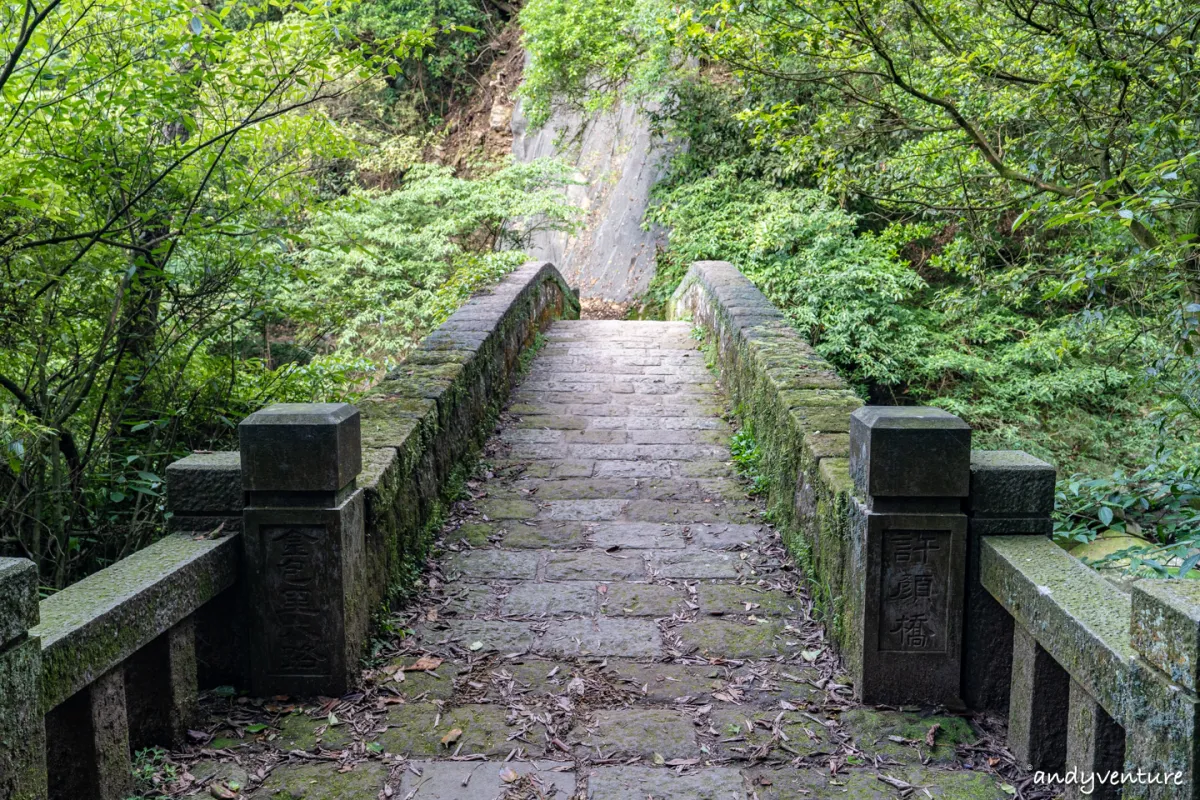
{"points": [[161, 688], [1095, 746], [1010, 483], [905, 451], [1165, 627], [305, 548], [309, 608], [18, 598], [1162, 735], [1038, 705], [1011, 493], [206, 484], [88, 743], [907, 580], [300, 447], [22, 730]]}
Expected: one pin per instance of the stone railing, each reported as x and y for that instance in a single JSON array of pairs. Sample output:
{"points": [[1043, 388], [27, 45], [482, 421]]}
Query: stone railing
{"points": [[935, 572], [279, 554]]}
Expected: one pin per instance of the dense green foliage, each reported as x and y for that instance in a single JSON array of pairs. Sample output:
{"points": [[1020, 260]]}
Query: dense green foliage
{"points": [[182, 240], [431, 76], [990, 207], [381, 269]]}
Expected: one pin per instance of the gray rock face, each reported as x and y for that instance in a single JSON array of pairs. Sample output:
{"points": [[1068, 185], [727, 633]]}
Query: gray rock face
{"points": [[617, 162]]}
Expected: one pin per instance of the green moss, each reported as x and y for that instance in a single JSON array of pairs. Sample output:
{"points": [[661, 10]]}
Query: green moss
{"points": [[320, 782], [877, 732]]}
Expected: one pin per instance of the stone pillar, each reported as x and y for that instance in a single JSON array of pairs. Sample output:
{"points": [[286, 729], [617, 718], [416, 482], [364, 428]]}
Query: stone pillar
{"points": [[205, 498], [1011, 493], [911, 469], [1038, 705], [160, 688], [1095, 746], [304, 547], [88, 742], [204, 493], [22, 728], [1162, 727]]}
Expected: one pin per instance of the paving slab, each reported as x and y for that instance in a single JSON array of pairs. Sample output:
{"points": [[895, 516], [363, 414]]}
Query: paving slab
{"points": [[720, 638], [644, 732], [699, 564], [482, 565], [484, 780], [593, 565], [583, 509], [640, 783], [498, 636], [631, 638], [718, 599], [643, 600], [544, 535], [550, 599], [319, 782]]}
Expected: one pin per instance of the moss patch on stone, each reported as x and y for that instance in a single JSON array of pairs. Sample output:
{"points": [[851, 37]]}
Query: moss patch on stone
{"points": [[319, 782], [902, 735]]}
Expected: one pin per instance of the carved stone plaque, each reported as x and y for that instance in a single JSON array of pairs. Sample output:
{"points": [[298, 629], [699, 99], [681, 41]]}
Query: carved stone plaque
{"points": [[298, 642], [914, 591]]}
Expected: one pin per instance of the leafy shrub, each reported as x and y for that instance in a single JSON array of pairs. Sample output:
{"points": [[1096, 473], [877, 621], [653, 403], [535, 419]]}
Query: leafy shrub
{"points": [[382, 269], [1159, 504], [747, 459]]}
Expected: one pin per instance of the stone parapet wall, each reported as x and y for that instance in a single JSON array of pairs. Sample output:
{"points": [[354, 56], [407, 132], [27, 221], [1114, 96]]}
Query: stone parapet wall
{"points": [[421, 426], [799, 411]]}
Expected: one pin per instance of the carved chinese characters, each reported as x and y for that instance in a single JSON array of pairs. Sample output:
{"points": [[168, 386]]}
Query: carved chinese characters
{"points": [[296, 639], [913, 594]]}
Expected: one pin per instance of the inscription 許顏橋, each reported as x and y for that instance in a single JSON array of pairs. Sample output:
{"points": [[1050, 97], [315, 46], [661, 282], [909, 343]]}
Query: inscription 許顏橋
{"points": [[915, 579]]}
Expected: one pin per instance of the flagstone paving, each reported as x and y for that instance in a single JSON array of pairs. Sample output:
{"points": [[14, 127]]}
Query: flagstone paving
{"points": [[609, 619]]}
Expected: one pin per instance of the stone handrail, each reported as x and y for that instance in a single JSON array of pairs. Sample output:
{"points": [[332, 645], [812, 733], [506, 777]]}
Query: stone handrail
{"points": [[1103, 676], [99, 622], [232, 596]]}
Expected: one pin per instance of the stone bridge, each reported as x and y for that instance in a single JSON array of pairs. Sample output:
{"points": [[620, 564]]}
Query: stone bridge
{"points": [[526, 566]]}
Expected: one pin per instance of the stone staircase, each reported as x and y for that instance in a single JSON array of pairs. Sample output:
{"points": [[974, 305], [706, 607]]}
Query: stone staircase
{"points": [[609, 618]]}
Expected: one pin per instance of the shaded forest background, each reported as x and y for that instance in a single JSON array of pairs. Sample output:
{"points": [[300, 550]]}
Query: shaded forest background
{"points": [[990, 206]]}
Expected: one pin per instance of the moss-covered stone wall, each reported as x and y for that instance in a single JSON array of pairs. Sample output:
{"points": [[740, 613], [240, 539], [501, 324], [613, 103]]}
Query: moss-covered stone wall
{"points": [[798, 410], [423, 426]]}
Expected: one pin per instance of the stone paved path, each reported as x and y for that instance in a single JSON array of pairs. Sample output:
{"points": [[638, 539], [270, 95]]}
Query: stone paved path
{"points": [[611, 621]]}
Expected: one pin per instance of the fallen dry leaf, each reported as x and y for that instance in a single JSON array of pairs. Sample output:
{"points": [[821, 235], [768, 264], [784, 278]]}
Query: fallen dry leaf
{"points": [[452, 737], [424, 663], [931, 736]]}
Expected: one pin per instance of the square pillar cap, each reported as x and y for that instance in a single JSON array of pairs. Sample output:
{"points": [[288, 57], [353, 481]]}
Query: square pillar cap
{"points": [[909, 451], [19, 608], [1011, 482], [301, 447]]}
